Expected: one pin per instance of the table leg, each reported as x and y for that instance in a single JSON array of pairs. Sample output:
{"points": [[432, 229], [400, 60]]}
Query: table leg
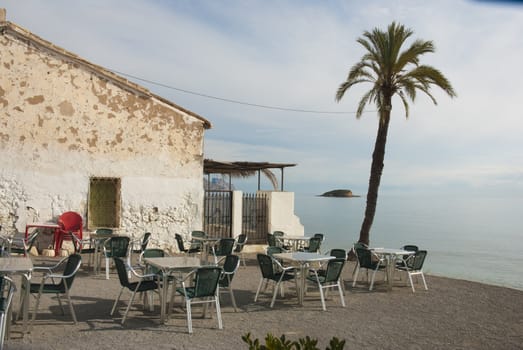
{"points": [[390, 270], [96, 263], [57, 242], [24, 299], [205, 252], [164, 285], [301, 294]]}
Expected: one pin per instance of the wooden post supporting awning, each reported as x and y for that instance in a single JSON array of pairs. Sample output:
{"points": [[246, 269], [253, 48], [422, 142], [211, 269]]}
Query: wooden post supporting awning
{"points": [[244, 169]]}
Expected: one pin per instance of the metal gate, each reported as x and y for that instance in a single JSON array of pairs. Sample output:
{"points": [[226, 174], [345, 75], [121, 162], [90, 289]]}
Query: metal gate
{"points": [[217, 216], [255, 221]]}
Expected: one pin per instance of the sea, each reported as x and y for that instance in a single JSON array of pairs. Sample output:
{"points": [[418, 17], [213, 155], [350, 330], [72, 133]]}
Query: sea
{"points": [[476, 238]]}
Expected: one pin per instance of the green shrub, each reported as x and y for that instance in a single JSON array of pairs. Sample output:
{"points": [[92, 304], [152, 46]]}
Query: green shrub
{"points": [[281, 343]]}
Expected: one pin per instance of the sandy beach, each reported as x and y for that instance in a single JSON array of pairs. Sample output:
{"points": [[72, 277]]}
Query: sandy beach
{"points": [[452, 314]]}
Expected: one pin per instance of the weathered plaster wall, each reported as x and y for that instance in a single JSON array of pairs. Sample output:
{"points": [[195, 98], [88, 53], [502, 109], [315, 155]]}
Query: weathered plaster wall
{"points": [[62, 123]]}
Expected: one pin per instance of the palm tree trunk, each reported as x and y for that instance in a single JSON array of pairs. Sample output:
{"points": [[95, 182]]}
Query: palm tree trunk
{"points": [[375, 172]]}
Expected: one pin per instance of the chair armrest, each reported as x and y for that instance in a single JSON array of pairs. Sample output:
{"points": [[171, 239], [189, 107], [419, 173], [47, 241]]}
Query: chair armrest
{"points": [[51, 268], [56, 275], [284, 268], [188, 276], [142, 276]]}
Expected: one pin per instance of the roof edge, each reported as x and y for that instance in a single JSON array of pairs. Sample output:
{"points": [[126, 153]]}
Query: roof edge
{"points": [[16, 30]]}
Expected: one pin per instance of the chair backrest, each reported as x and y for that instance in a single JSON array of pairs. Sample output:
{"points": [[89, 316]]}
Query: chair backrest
{"points": [[271, 240], [7, 289], [274, 250], [122, 272], [104, 231], [71, 267], [32, 237], [77, 244], [206, 281], [145, 240], [70, 221], [410, 248], [179, 242], [365, 258], [29, 242], [230, 265], [199, 234], [360, 245], [416, 261], [338, 253], [319, 235], [118, 246], [197, 244], [314, 244], [225, 246], [334, 268], [266, 265], [152, 253], [21, 245], [240, 242]]}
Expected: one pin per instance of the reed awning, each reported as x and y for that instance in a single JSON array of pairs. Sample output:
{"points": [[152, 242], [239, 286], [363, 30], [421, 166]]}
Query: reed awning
{"points": [[243, 169]]}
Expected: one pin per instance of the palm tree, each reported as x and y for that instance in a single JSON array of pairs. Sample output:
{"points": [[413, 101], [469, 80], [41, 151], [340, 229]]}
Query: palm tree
{"points": [[391, 71]]}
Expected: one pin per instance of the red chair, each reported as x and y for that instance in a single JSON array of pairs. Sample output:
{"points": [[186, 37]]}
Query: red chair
{"points": [[70, 223]]}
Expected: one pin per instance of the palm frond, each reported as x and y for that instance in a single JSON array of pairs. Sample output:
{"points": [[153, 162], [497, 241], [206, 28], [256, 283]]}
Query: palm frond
{"points": [[405, 103], [272, 177]]}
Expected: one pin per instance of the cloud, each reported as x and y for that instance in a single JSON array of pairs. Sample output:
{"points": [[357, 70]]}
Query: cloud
{"points": [[295, 54]]}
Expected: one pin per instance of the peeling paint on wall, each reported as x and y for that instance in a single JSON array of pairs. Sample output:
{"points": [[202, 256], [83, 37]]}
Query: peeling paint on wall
{"points": [[61, 123]]}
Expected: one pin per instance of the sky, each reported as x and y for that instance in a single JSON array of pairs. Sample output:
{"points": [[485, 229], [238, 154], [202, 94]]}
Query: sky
{"points": [[294, 55]]}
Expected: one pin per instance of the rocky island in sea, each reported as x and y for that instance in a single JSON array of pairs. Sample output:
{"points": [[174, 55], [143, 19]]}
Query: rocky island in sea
{"points": [[339, 193]]}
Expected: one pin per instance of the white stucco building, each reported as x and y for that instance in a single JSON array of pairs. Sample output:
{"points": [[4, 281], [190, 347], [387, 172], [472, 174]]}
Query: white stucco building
{"points": [[77, 137]]}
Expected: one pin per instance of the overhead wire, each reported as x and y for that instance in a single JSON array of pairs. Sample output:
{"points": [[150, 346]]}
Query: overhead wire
{"points": [[223, 99]]}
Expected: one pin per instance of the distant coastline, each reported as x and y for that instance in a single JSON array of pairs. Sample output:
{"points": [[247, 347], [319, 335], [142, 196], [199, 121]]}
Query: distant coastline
{"points": [[340, 193]]}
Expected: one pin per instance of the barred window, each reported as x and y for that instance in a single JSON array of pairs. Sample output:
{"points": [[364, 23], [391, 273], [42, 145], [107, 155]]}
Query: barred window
{"points": [[104, 203]]}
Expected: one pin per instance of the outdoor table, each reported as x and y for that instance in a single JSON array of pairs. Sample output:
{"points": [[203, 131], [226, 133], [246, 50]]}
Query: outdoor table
{"points": [[390, 255], [24, 266], [295, 242], [207, 242], [49, 225], [168, 265], [303, 259]]}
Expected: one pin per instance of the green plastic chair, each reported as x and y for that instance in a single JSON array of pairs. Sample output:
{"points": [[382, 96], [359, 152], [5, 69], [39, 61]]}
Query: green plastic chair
{"points": [[181, 245], [413, 266], [197, 245], [66, 278], [314, 245], [104, 231], [370, 261], [240, 244], [151, 253], [223, 248], [331, 279], [271, 275], [230, 265], [271, 240], [278, 236], [115, 247], [145, 283], [203, 291]]}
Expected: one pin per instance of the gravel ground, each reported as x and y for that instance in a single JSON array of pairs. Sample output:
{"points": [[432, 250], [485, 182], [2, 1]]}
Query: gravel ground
{"points": [[452, 314]]}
